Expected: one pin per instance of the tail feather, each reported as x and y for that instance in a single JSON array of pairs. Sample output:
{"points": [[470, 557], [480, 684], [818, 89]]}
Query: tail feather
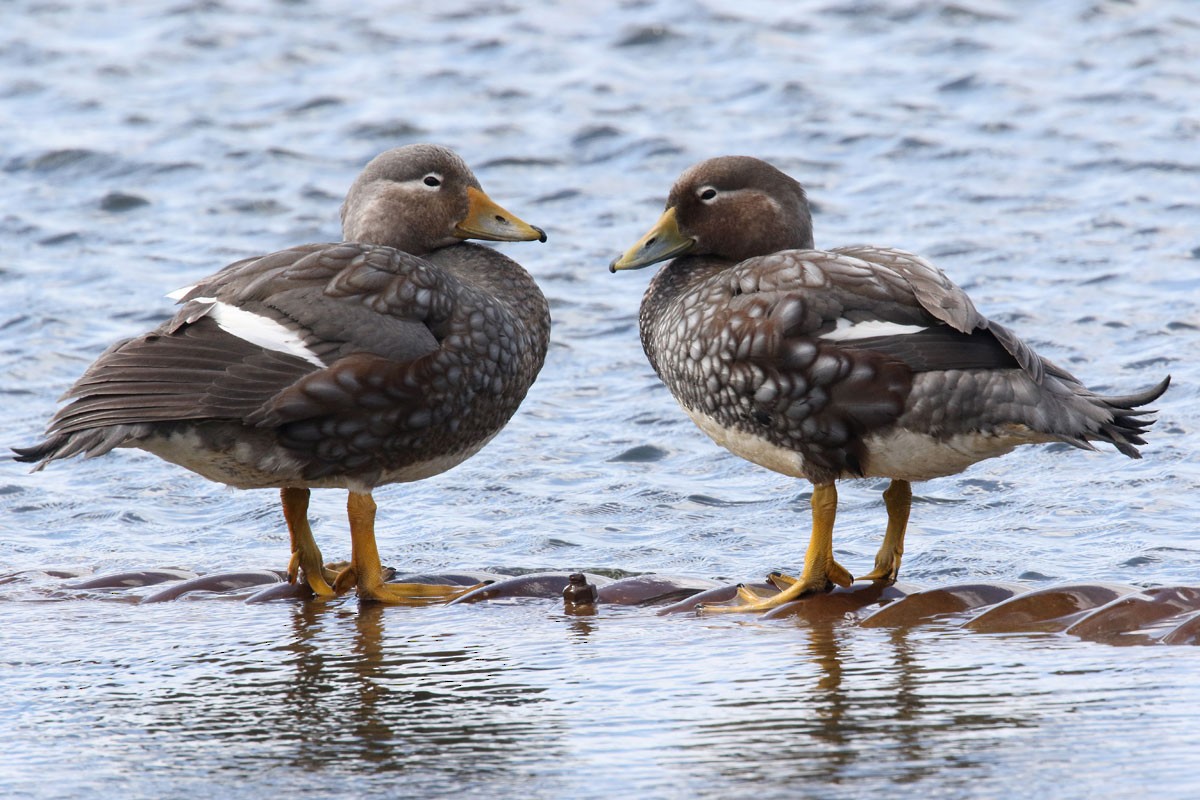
{"points": [[91, 442], [1128, 423], [39, 454]]}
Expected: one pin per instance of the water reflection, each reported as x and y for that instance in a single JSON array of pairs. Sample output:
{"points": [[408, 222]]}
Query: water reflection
{"points": [[518, 696], [103, 698], [405, 703], [851, 698], [348, 690]]}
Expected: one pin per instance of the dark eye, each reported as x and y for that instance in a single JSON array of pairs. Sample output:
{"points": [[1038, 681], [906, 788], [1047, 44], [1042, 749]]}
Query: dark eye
{"points": [[708, 194], [431, 180]]}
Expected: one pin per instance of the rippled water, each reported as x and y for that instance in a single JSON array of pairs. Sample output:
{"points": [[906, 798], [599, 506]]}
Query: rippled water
{"points": [[1046, 155]]}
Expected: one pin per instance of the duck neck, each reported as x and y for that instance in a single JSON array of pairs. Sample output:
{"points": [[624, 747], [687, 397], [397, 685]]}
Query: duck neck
{"points": [[665, 289], [681, 274], [497, 275]]}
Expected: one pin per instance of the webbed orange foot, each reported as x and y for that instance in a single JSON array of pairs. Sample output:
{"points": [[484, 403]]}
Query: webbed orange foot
{"points": [[307, 565], [346, 579], [365, 572], [815, 581], [821, 571], [412, 594], [887, 568]]}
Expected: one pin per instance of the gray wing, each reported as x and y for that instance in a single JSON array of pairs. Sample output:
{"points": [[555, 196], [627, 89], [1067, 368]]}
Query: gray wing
{"points": [[757, 346], [943, 300], [812, 293], [354, 312], [337, 299], [1013, 384]]}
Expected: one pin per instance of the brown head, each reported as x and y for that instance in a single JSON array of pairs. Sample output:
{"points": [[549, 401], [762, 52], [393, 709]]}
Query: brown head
{"points": [[420, 197], [732, 207]]}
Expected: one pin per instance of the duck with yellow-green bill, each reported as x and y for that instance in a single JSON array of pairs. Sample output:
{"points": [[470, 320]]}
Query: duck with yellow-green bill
{"points": [[855, 362], [389, 357]]}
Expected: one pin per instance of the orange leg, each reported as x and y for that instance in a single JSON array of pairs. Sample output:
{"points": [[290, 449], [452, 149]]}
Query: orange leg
{"points": [[898, 499], [366, 572], [306, 556], [821, 571]]}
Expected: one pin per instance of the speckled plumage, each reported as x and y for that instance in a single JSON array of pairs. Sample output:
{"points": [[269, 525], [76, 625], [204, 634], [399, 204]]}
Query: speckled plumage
{"points": [[389, 357], [743, 343], [424, 358], [851, 362]]}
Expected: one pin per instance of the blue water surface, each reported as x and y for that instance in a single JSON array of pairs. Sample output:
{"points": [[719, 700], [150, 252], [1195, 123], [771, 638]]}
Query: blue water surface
{"points": [[1046, 155]]}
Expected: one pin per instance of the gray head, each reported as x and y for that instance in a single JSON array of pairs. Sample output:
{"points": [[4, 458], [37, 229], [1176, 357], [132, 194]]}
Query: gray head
{"points": [[420, 197], [733, 207]]}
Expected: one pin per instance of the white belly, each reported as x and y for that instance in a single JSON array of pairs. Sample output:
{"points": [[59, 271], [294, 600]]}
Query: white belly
{"points": [[246, 466], [750, 447], [899, 454], [919, 457]]}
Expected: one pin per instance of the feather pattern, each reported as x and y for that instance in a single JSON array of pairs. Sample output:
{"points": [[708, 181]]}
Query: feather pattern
{"points": [[349, 363], [858, 361], [760, 345]]}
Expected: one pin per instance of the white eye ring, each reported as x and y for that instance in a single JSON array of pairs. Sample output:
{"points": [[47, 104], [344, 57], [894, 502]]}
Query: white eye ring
{"points": [[432, 180], [707, 194]]}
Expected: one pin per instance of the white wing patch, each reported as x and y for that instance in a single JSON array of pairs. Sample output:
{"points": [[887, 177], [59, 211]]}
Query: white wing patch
{"points": [[847, 330], [259, 330]]}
